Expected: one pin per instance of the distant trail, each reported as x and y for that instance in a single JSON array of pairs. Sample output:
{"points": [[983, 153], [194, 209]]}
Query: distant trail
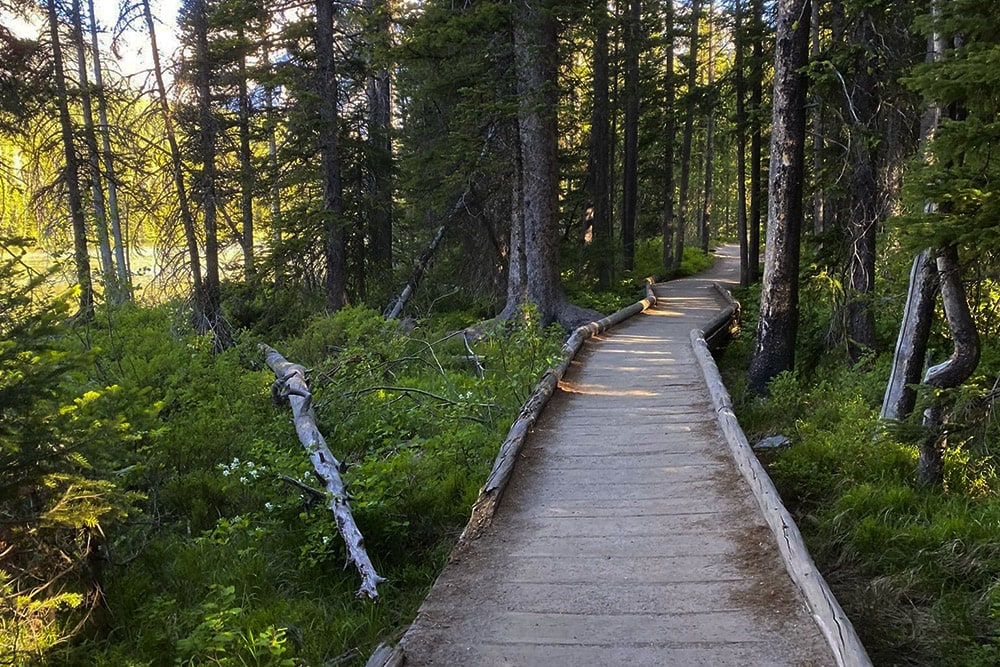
{"points": [[626, 537]]}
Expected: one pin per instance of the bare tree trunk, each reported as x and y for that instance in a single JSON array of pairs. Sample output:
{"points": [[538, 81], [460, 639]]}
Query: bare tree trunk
{"points": [[379, 125], [741, 144], [207, 182], [517, 278], [706, 209], [865, 216], [630, 177], [187, 221], [272, 162], [600, 158], [956, 370], [81, 257], [756, 141], [114, 214], [669, 130], [911, 345], [246, 166], [683, 208], [818, 141], [94, 159], [775, 349], [335, 235]]}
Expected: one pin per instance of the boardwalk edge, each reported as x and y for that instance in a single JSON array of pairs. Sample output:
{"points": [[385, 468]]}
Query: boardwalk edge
{"points": [[827, 612]]}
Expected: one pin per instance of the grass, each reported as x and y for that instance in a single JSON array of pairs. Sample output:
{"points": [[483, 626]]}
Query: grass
{"points": [[917, 569]]}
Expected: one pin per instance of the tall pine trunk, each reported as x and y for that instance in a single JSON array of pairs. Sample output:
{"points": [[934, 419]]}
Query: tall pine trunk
{"points": [[334, 233], [756, 141], [739, 37], [177, 164], [630, 177], [94, 160], [81, 256], [246, 164], [599, 159], [775, 348], [379, 100], [705, 230], [683, 208], [208, 181], [108, 159], [669, 131]]}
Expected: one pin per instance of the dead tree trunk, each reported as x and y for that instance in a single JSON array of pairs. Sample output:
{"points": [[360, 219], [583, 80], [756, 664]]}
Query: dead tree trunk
{"points": [[290, 382]]}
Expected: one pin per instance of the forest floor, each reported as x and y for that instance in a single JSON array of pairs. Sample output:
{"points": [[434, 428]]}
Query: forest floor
{"points": [[627, 536]]}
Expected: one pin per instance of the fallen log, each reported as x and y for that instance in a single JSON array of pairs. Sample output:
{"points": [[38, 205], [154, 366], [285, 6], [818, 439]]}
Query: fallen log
{"points": [[290, 382]]}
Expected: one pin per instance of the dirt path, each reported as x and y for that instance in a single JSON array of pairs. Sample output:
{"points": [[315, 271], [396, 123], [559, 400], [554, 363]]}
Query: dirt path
{"points": [[626, 537]]}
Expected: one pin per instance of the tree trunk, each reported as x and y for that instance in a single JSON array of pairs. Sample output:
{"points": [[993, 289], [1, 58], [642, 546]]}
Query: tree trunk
{"points": [[775, 349], [187, 221], [246, 165], [291, 383], [94, 160], [756, 141], [863, 189], [817, 121], [536, 62], [669, 130], [630, 176], [334, 233], [207, 182], [705, 230], [379, 100], [741, 144], [272, 163], [956, 370], [81, 256], [911, 345], [114, 214], [599, 160], [682, 209]]}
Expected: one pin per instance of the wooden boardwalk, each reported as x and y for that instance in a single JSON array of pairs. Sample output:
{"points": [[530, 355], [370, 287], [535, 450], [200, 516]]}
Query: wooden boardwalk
{"points": [[626, 536]]}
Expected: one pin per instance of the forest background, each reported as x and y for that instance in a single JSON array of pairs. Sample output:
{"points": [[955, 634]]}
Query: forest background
{"points": [[284, 172]]}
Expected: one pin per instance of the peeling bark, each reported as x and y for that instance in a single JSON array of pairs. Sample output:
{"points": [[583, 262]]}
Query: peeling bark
{"points": [[291, 382]]}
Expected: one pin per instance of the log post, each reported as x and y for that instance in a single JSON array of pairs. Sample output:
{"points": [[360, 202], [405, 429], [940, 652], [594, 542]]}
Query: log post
{"points": [[290, 382]]}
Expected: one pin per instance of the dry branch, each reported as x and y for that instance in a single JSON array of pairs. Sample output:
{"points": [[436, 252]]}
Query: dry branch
{"points": [[290, 382]]}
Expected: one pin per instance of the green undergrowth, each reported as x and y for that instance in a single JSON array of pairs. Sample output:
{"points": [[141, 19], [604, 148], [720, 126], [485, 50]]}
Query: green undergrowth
{"points": [[219, 559], [916, 569]]}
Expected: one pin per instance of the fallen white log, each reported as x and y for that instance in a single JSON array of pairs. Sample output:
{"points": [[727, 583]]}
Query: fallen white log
{"points": [[290, 382]]}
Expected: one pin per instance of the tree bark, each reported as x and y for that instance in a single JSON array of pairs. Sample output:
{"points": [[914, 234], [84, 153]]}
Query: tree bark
{"points": [[334, 233], [953, 372], [536, 62], [108, 273], [669, 130], [775, 349], [110, 174], [818, 202], [246, 163], [706, 209], [187, 221], [207, 138], [692, 84], [291, 383], [756, 141], [379, 99], [739, 38], [599, 166], [630, 176], [81, 256]]}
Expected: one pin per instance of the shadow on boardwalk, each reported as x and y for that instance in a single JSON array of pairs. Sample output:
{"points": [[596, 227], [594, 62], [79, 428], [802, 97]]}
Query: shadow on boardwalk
{"points": [[626, 536]]}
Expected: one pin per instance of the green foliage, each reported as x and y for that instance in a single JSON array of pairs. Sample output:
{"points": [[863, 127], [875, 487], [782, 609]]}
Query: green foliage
{"points": [[915, 568]]}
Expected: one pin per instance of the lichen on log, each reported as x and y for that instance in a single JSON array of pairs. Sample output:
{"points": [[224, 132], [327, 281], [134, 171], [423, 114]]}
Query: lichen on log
{"points": [[291, 383]]}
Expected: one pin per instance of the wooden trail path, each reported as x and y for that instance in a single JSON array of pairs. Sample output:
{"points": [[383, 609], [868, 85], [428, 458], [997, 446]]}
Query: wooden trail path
{"points": [[627, 535]]}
